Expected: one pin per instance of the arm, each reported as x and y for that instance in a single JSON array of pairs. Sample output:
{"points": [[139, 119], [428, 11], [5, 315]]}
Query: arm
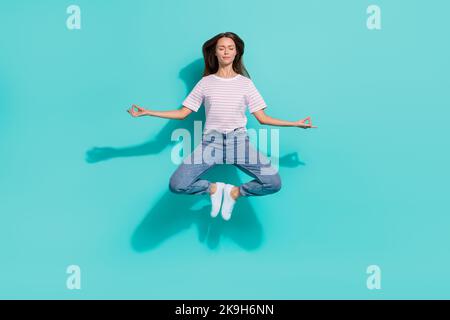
{"points": [[263, 118], [178, 114]]}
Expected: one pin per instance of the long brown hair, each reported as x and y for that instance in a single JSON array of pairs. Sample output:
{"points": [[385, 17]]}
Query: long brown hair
{"points": [[210, 59]]}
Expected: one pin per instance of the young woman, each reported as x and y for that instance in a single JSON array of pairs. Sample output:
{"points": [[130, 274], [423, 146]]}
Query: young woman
{"points": [[226, 90]]}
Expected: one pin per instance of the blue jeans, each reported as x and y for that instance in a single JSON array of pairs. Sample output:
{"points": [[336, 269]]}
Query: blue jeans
{"points": [[225, 148]]}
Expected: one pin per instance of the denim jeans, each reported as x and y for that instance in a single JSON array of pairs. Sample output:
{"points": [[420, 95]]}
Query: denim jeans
{"points": [[225, 148]]}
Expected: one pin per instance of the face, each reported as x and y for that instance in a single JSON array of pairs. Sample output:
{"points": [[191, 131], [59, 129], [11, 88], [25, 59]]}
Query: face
{"points": [[225, 51]]}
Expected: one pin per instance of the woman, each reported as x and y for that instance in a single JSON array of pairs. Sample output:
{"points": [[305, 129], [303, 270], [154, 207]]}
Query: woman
{"points": [[226, 90]]}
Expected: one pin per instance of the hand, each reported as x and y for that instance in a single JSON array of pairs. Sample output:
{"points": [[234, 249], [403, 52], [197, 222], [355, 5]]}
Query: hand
{"points": [[302, 123], [140, 111]]}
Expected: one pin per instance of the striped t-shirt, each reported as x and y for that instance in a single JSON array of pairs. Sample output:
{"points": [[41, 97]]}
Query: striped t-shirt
{"points": [[225, 100]]}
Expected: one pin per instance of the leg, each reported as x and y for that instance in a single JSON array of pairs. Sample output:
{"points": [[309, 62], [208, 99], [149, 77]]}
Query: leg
{"points": [[267, 179], [185, 179]]}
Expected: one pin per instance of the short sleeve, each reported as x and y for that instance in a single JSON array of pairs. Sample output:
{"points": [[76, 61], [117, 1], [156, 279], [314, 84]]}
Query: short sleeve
{"points": [[195, 98], [255, 101]]}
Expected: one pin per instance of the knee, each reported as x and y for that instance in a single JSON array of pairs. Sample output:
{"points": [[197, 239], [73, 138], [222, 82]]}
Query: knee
{"points": [[175, 185], [274, 184]]}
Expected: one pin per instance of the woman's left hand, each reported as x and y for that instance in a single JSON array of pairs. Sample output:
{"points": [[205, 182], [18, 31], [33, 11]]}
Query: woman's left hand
{"points": [[302, 123]]}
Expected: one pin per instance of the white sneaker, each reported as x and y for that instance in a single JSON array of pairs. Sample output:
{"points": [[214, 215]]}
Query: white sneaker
{"points": [[216, 199], [228, 202]]}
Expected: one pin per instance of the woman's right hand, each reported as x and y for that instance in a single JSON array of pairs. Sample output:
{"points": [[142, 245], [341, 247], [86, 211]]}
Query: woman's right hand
{"points": [[137, 113]]}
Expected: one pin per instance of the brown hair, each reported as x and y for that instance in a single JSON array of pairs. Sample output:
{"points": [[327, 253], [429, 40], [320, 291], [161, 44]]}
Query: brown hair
{"points": [[210, 59]]}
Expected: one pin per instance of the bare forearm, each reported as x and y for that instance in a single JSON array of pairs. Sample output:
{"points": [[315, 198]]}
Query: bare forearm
{"points": [[277, 122], [170, 114]]}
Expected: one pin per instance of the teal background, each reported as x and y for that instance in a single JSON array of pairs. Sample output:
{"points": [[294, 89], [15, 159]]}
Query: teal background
{"points": [[368, 186]]}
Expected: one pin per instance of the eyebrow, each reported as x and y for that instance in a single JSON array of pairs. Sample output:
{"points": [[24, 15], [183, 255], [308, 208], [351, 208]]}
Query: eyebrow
{"points": [[231, 45]]}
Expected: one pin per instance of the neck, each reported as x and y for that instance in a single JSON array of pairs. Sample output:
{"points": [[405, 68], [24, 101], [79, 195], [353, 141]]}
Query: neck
{"points": [[226, 71]]}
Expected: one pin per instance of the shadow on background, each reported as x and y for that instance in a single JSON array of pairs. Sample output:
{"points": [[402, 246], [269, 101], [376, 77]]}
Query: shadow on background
{"points": [[163, 139], [174, 213]]}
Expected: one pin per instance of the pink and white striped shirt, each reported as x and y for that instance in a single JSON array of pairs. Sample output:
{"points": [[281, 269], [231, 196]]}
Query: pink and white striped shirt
{"points": [[225, 100]]}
